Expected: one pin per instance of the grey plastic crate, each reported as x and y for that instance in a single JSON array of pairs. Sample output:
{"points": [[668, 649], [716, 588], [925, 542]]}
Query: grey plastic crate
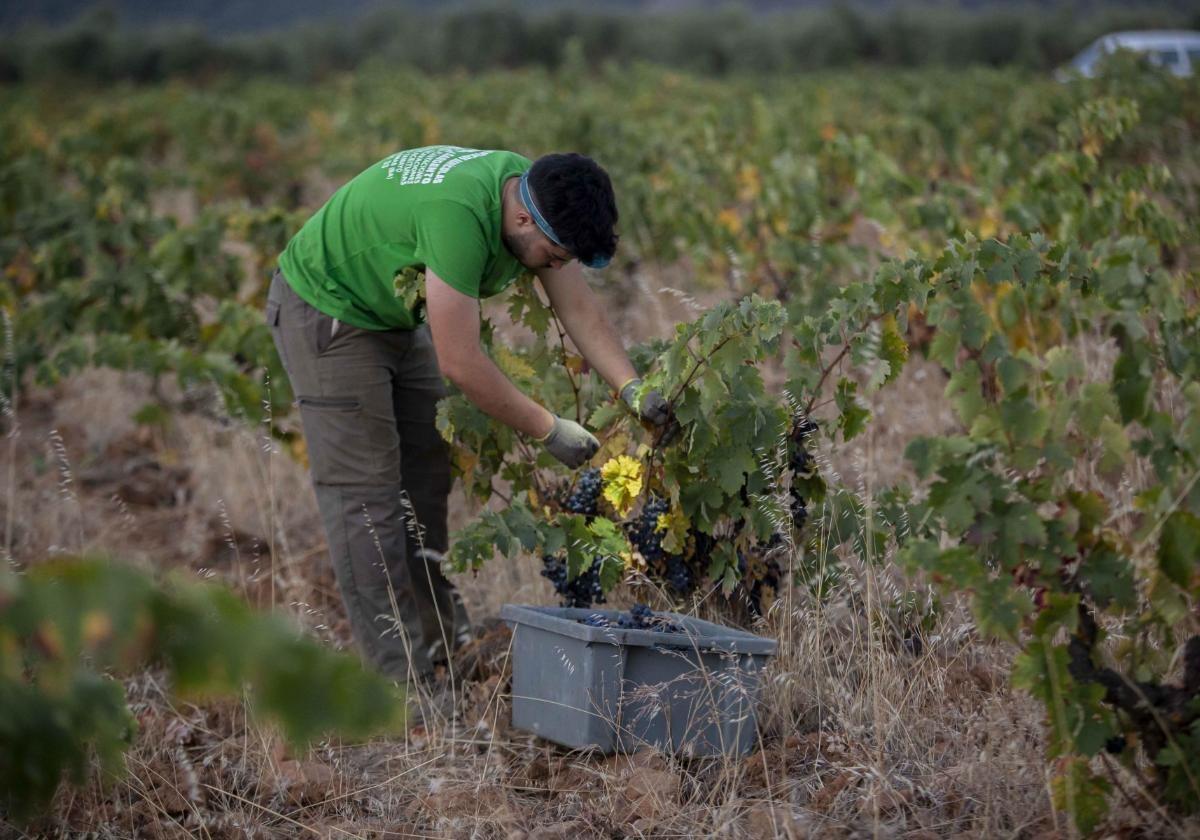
{"points": [[691, 693]]}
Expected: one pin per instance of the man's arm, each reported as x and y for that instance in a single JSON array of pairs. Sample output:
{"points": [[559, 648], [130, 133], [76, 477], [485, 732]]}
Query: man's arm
{"points": [[454, 324], [583, 316]]}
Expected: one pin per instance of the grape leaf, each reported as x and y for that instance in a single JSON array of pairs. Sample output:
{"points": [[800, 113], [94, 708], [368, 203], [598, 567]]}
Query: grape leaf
{"points": [[1131, 383], [853, 416], [1080, 792], [1109, 578], [1179, 547]]}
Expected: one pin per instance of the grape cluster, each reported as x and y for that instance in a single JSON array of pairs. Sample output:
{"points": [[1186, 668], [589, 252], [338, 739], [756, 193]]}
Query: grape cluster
{"points": [[586, 495], [679, 576], [681, 573], [798, 510], [762, 585], [639, 617], [703, 546], [583, 591], [801, 466], [803, 429], [644, 534], [759, 569], [647, 539], [759, 573]]}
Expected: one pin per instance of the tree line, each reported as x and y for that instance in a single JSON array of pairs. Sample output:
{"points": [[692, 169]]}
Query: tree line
{"points": [[101, 48]]}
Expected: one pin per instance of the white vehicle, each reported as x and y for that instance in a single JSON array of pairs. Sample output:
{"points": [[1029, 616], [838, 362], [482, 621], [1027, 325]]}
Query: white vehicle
{"points": [[1178, 51]]}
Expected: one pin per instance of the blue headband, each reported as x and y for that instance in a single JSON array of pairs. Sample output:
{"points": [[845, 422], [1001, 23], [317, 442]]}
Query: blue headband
{"points": [[527, 199]]}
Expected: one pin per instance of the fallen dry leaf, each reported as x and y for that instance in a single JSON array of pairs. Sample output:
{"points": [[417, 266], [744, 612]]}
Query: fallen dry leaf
{"points": [[571, 830], [360, 830], [306, 781], [778, 762], [485, 655], [621, 765], [169, 799], [650, 793], [885, 800], [988, 679], [770, 819], [454, 800], [824, 797]]}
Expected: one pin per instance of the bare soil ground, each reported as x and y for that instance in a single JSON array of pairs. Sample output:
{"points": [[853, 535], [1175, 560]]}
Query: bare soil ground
{"points": [[860, 735]]}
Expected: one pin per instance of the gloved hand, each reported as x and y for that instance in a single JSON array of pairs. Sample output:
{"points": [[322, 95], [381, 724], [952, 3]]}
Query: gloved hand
{"points": [[569, 442], [654, 407]]}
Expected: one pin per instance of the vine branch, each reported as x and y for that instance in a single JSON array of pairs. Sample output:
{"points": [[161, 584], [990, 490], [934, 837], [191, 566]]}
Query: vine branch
{"points": [[829, 368], [575, 388], [696, 369]]}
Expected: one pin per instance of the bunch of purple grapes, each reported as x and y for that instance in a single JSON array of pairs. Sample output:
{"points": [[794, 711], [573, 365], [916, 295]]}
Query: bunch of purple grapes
{"points": [[679, 576], [582, 591], [639, 617], [801, 466], [644, 533], [585, 496], [647, 539]]}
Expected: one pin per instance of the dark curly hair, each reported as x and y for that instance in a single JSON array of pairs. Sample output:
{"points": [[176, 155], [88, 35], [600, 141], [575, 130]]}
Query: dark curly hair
{"points": [[576, 197]]}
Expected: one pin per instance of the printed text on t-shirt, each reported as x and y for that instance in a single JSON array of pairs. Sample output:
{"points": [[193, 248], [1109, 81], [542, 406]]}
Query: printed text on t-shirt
{"points": [[428, 165]]}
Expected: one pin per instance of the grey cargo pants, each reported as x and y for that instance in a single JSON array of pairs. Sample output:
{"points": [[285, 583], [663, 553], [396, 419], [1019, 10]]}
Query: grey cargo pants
{"points": [[367, 402]]}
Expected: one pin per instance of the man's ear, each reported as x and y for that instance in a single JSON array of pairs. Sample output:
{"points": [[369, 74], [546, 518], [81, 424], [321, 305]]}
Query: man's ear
{"points": [[523, 218]]}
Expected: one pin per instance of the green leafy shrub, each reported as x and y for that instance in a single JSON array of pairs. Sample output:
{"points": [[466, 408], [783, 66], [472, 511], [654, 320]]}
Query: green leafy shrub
{"points": [[68, 626]]}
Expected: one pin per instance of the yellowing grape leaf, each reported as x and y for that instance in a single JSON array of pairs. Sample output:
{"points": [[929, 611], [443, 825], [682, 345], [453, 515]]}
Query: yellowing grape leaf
{"points": [[616, 445], [675, 526], [511, 365], [574, 363], [622, 478]]}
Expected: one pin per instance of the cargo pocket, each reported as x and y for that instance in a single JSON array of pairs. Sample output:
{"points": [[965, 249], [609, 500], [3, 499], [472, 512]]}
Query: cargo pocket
{"points": [[333, 430], [324, 326]]}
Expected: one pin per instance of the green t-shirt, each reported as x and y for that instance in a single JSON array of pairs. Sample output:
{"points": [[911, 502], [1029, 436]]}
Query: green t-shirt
{"points": [[361, 258]]}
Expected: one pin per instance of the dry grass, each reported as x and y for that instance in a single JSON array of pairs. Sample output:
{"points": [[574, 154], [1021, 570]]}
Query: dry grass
{"points": [[859, 735]]}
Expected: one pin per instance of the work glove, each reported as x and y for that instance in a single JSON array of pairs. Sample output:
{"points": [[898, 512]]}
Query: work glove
{"points": [[569, 442], [654, 408]]}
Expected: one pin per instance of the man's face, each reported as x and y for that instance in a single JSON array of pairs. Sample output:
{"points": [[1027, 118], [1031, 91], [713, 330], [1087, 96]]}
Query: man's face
{"points": [[534, 250]]}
